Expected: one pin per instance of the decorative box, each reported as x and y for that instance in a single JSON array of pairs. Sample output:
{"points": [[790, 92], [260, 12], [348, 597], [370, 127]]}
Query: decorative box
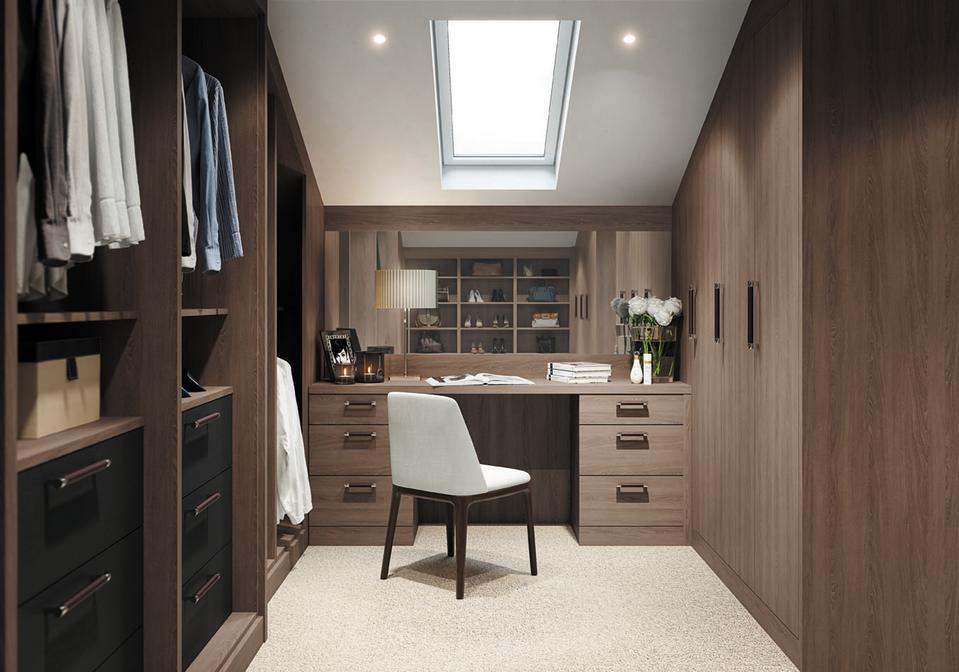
{"points": [[58, 385]]}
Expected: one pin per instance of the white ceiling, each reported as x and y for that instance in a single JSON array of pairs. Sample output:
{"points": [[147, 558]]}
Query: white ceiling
{"points": [[368, 113]]}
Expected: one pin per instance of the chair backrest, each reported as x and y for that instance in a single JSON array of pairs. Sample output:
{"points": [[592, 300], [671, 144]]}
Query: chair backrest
{"points": [[430, 446]]}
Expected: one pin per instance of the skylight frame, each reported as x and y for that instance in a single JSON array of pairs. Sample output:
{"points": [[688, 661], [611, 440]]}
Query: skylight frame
{"points": [[559, 95]]}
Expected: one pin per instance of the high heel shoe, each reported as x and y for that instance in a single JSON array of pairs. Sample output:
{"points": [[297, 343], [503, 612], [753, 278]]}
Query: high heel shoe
{"points": [[479, 323], [496, 321], [479, 348], [469, 321], [473, 348]]}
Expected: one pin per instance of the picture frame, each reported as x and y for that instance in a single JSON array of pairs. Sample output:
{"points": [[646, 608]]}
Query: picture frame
{"points": [[354, 339], [338, 346]]}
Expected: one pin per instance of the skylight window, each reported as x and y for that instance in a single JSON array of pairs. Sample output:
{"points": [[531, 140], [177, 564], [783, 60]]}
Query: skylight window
{"points": [[502, 89]]}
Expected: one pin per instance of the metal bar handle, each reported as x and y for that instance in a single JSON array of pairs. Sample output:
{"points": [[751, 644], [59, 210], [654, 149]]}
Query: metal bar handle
{"points": [[632, 405], [576, 308], [207, 503], [205, 588], [85, 472], [370, 403], [82, 595], [632, 486], [206, 420], [691, 311], [717, 299], [750, 315], [640, 438], [359, 486], [369, 436]]}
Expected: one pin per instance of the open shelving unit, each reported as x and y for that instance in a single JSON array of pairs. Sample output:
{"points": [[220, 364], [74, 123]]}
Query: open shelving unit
{"points": [[457, 272]]}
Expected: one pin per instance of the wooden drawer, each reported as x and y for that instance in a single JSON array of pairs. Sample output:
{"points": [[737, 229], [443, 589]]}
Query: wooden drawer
{"points": [[347, 409], [207, 522], [75, 624], [605, 500], [63, 523], [207, 442], [128, 658], [638, 409], [358, 505], [614, 449], [207, 602], [349, 449]]}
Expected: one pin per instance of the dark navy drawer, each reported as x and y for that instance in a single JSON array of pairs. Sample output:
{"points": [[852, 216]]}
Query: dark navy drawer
{"points": [[207, 602], [79, 621], [76, 506], [207, 442], [128, 658], [207, 522]]}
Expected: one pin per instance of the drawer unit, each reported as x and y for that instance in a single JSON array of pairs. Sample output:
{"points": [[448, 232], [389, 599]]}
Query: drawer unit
{"points": [[128, 658], [78, 622], [355, 501], [74, 507], [207, 603], [650, 409], [207, 522], [207, 442], [615, 449], [348, 409], [349, 449], [632, 501]]}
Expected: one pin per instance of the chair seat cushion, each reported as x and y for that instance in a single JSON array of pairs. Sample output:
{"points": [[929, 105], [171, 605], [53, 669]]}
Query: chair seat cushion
{"points": [[499, 478]]}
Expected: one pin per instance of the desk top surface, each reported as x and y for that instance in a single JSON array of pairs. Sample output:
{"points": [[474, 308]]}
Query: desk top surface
{"points": [[538, 387]]}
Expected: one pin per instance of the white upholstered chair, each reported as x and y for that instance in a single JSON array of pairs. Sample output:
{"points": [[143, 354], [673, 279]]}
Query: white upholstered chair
{"points": [[432, 457]]}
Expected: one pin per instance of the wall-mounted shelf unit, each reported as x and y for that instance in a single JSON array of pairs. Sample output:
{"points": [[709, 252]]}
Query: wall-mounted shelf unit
{"points": [[68, 317]]}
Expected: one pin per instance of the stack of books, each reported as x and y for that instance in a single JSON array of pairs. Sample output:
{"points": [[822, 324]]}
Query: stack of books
{"points": [[579, 372]]}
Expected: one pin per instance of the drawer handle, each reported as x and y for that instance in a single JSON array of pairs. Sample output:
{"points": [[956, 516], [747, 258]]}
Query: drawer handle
{"points": [[205, 588], [207, 503], [82, 595], [368, 436], [367, 403], [206, 420], [350, 487], [632, 488], [642, 439], [640, 407], [85, 472]]}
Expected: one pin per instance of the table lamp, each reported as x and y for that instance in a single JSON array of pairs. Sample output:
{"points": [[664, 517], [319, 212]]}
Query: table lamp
{"points": [[405, 289]]}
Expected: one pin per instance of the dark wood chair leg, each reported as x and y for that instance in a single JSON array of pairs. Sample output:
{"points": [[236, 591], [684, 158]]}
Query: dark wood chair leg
{"points": [[531, 535], [461, 514], [449, 531], [390, 533]]}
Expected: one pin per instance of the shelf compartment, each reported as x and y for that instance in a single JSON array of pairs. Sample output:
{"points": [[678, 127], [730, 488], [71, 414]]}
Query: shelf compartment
{"points": [[75, 317], [204, 312], [32, 452], [211, 393]]}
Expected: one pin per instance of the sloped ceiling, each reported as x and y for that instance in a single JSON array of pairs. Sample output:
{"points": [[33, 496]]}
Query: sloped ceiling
{"points": [[369, 119]]}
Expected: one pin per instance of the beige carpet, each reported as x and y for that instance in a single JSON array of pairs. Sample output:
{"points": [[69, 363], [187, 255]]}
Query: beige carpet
{"points": [[653, 609]]}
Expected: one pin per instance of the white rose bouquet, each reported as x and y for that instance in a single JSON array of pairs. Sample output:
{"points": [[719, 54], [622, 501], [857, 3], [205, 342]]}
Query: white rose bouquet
{"points": [[651, 315]]}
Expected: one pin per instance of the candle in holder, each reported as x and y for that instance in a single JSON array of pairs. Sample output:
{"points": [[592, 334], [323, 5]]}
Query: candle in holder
{"points": [[369, 367], [343, 374]]}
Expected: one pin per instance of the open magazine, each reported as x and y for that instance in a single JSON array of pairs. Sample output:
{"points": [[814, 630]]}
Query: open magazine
{"points": [[477, 379]]}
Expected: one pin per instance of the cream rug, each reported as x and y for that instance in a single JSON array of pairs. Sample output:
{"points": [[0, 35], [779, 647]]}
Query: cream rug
{"points": [[654, 609]]}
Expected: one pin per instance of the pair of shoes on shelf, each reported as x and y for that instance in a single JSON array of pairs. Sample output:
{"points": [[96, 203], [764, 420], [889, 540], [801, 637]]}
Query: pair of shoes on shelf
{"points": [[500, 320], [499, 346], [475, 296], [477, 348], [428, 344], [469, 323], [498, 296]]}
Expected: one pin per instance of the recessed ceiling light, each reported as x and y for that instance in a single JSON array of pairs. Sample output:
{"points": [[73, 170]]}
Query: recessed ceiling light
{"points": [[379, 38], [629, 38]]}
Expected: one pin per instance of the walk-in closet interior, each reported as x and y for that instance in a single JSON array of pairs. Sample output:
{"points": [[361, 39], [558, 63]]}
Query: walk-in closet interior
{"points": [[626, 338]]}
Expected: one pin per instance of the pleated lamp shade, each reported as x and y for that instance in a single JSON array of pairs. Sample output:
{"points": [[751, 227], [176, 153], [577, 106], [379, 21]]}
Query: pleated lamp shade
{"points": [[405, 288]]}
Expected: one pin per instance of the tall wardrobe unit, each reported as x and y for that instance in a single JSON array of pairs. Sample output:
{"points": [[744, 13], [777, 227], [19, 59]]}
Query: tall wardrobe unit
{"points": [[737, 264], [169, 523]]}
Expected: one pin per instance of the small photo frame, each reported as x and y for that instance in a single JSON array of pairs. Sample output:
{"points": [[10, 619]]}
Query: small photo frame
{"points": [[338, 345]]}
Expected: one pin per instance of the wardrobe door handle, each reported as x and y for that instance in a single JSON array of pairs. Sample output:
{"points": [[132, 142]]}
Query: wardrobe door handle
{"points": [[576, 307], [207, 503], [639, 441], [587, 306], [367, 403], [82, 595], [206, 420], [368, 436], [750, 315], [716, 312], [691, 311], [82, 473], [205, 588], [350, 487]]}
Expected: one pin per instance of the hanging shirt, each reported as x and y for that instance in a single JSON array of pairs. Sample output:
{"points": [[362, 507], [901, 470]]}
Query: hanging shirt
{"points": [[188, 216], [231, 247], [293, 496], [202, 165]]}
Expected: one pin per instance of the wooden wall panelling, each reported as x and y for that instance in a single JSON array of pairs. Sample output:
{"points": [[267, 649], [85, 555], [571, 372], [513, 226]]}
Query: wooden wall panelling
{"points": [[389, 323], [153, 53], [8, 363], [643, 261], [272, 319], [880, 429], [234, 51], [498, 218], [331, 278], [778, 354], [360, 274]]}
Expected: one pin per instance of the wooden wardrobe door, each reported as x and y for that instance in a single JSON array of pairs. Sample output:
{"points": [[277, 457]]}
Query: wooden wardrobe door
{"points": [[778, 354]]}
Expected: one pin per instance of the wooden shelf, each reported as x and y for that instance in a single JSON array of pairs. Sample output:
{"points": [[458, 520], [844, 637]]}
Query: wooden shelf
{"points": [[433, 329], [199, 398], [203, 312], [542, 277], [75, 317], [31, 452], [487, 329], [543, 329], [543, 303], [486, 277]]}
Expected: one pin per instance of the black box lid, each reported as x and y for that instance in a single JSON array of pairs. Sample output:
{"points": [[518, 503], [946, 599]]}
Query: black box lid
{"points": [[44, 351]]}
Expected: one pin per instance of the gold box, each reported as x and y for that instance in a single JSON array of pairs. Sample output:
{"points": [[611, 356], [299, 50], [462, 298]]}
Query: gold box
{"points": [[58, 386]]}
